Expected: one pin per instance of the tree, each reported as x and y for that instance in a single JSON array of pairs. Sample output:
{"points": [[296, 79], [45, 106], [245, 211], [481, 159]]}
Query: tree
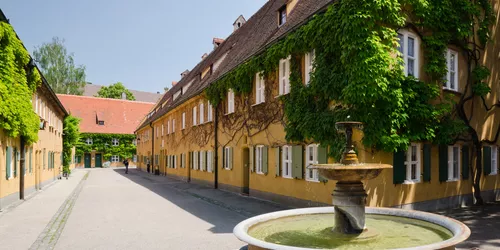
{"points": [[166, 89], [115, 91], [59, 68]]}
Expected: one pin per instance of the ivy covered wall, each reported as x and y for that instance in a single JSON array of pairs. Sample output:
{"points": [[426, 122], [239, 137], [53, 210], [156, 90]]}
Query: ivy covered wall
{"points": [[102, 143]]}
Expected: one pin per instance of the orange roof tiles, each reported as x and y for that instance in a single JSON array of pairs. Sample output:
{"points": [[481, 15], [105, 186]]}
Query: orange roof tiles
{"points": [[119, 116]]}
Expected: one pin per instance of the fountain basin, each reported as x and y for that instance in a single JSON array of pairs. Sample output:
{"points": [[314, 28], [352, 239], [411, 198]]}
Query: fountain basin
{"points": [[457, 231], [350, 173]]}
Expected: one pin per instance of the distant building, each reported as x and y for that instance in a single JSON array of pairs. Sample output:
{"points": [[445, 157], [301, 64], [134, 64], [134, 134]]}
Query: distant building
{"points": [[140, 96], [107, 127]]}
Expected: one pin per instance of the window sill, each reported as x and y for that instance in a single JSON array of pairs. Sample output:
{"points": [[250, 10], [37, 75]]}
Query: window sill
{"points": [[228, 169], [452, 180], [229, 113], [411, 182], [452, 91], [287, 177], [496, 173], [259, 173], [278, 96], [257, 104], [312, 180]]}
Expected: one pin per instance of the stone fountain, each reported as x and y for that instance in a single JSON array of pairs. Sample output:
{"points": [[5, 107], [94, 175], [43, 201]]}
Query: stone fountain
{"points": [[388, 228]]}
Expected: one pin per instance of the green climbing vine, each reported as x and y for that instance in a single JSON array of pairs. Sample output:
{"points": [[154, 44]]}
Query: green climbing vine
{"points": [[18, 82], [357, 75], [103, 143], [71, 137]]}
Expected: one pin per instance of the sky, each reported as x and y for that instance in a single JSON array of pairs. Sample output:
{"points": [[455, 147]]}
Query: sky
{"points": [[143, 44]]}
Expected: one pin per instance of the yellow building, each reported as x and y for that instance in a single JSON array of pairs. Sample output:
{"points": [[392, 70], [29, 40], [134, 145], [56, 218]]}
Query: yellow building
{"points": [[241, 145]]}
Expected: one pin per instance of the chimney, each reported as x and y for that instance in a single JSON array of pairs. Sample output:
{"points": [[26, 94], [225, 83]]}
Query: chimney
{"points": [[157, 92], [124, 96], [183, 74], [204, 56], [217, 41], [174, 83], [239, 22]]}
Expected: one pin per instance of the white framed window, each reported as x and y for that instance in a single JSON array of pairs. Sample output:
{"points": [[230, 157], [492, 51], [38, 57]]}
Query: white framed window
{"points": [[209, 161], [162, 143], [36, 104], [453, 162], [115, 142], [227, 152], [494, 160], [260, 87], [259, 159], [173, 125], [286, 166], [451, 81], [134, 142], [195, 159], [202, 113], [202, 160], [413, 163], [195, 115], [89, 141], [168, 127], [115, 158], [230, 101], [174, 161], [311, 159], [183, 125], [209, 112], [284, 76], [309, 65], [162, 129], [409, 49]]}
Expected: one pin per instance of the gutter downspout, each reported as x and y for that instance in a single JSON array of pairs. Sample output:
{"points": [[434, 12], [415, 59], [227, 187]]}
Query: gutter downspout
{"points": [[22, 170], [216, 147], [152, 163]]}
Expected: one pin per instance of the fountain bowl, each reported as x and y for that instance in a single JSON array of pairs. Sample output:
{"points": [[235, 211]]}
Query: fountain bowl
{"points": [[459, 231], [350, 173]]}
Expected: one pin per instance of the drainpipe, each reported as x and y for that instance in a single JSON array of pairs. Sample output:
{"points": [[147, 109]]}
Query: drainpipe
{"points": [[22, 163], [153, 167], [216, 147]]}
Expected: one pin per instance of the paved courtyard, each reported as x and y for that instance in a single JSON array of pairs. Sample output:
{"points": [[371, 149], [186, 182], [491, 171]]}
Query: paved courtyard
{"points": [[106, 209]]}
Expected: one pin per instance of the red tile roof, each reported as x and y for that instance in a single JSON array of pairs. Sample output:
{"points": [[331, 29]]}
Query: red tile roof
{"points": [[119, 116]]}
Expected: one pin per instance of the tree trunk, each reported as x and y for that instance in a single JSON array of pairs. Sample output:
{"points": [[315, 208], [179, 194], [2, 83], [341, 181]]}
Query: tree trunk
{"points": [[478, 199]]}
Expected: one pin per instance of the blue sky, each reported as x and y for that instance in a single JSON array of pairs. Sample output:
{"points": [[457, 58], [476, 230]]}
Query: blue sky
{"points": [[144, 44]]}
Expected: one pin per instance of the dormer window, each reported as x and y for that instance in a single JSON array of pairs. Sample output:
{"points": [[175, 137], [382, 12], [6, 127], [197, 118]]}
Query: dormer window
{"points": [[282, 15], [101, 123]]}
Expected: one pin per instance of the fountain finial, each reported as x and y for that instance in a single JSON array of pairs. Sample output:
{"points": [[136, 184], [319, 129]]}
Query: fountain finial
{"points": [[349, 156]]}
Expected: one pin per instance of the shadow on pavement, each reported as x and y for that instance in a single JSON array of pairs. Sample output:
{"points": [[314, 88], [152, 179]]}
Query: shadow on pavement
{"points": [[182, 193], [484, 223]]}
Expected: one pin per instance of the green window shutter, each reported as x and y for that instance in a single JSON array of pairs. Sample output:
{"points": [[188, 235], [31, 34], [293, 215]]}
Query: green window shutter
{"points": [[322, 159], [251, 158], [15, 162], [277, 160], [204, 161], [183, 160], [399, 168], [191, 160], [231, 158], [30, 161], [487, 160], [297, 162], [443, 163], [8, 162], [465, 162], [265, 160], [427, 162]]}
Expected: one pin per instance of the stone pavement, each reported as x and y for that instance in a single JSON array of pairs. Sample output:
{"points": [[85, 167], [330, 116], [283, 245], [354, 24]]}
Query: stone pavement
{"points": [[111, 210], [142, 211], [23, 224]]}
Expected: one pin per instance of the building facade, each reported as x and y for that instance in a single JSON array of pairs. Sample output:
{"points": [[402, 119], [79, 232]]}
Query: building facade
{"points": [[43, 159], [107, 129], [240, 145]]}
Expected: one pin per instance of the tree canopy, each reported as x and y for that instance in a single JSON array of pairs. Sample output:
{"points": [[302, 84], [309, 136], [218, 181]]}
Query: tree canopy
{"points": [[58, 67], [115, 91]]}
